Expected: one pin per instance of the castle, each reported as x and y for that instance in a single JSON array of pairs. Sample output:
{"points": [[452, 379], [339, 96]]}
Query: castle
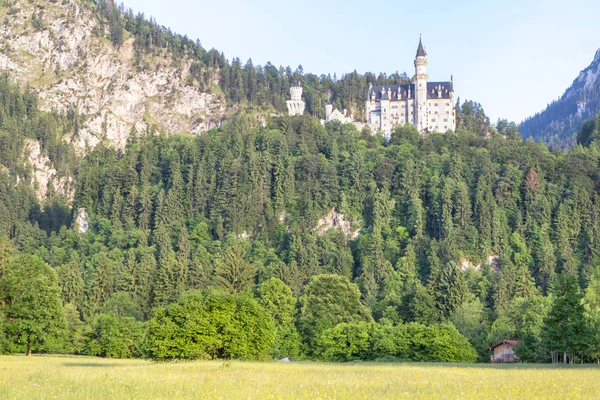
{"points": [[296, 105], [332, 114], [428, 106]]}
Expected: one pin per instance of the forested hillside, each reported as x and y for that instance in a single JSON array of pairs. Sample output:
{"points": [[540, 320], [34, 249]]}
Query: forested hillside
{"points": [[560, 121], [120, 72], [301, 240], [241, 82], [270, 236]]}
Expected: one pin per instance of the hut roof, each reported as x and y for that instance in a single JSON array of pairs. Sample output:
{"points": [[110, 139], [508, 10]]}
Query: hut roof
{"points": [[500, 343]]}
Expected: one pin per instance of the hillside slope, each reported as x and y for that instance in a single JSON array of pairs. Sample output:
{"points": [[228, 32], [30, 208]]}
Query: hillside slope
{"points": [[558, 123], [63, 51]]}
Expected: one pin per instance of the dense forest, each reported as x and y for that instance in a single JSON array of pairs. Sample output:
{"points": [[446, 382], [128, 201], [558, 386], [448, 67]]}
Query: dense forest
{"points": [[298, 240]]}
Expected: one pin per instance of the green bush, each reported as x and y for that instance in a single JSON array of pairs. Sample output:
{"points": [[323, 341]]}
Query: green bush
{"points": [[30, 301], [329, 300], [413, 341], [346, 342], [278, 301], [3, 340], [446, 344], [210, 325], [112, 336], [390, 341]]}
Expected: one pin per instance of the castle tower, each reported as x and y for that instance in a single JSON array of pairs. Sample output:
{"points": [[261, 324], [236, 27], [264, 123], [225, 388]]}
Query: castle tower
{"points": [[328, 110], [295, 105], [420, 82]]}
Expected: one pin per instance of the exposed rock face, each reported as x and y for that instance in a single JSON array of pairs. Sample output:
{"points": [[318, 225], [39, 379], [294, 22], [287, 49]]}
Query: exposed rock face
{"points": [[44, 175], [243, 236], [73, 69], [466, 264], [492, 260], [82, 222], [282, 216], [334, 220]]}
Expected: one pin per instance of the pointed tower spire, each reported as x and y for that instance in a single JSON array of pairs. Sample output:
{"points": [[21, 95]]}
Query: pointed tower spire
{"points": [[421, 51]]}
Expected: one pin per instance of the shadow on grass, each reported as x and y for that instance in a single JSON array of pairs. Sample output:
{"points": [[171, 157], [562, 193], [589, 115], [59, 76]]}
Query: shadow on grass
{"points": [[511, 366], [97, 365]]}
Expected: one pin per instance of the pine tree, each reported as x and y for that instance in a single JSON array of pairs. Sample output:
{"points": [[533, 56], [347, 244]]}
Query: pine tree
{"points": [[130, 208], [146, 270], [183, 262], [233, 272], [71, 284], [566, 328], [524, 285], [463, 207], [446, 208], [407, 268], [145, 209], [126, 276], [102, 281], [450, 289]]}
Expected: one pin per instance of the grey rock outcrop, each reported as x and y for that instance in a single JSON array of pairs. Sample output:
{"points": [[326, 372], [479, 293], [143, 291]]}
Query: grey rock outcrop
{"points": [[71, 67]]}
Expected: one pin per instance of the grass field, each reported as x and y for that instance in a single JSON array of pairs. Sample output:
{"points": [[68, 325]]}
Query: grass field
{"points": [[91, 378]]}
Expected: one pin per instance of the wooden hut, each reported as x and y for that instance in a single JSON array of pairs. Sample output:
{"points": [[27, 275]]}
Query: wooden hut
{"points": [[503, 351]]}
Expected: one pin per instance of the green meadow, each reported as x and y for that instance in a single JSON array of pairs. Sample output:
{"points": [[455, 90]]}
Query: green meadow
{"points": [[40, 377]]}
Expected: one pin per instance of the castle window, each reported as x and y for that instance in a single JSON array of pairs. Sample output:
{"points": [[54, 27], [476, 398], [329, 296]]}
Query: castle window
{"points": [[436, 112], [445, 127], [433, 120], [436, 104], [445, 119]]}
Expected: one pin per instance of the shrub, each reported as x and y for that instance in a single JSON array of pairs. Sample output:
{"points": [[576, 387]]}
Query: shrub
{"points": [[346, 342], [390, 341], [210, 325], [112, 336], [413, 341], [278, 301], [3, 340], [329, 300]]}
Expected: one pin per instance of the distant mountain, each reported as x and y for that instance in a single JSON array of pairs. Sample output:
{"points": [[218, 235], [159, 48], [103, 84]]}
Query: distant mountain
{"points": [[559, 122]]}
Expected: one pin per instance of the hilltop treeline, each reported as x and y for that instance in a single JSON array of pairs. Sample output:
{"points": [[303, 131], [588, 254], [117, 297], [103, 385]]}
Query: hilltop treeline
{"points": [[217, 246], [242, 83]]}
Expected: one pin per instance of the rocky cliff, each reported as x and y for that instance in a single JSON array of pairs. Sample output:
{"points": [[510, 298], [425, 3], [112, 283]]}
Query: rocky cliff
{"points": [[559, 122], [44, 178], [55, 48]]}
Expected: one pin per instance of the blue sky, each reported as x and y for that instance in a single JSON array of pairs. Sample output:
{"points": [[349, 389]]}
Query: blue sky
{"points": [[513, 56]]}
